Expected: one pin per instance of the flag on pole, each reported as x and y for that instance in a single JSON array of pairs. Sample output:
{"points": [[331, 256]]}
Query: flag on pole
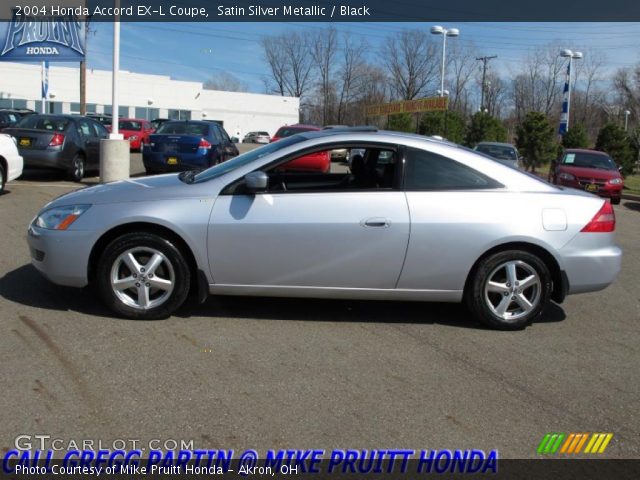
{"points": [[45, 80], [564, 116]]}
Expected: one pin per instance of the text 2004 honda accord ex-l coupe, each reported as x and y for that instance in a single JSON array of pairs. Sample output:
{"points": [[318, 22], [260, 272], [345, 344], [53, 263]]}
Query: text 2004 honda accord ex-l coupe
{"points": [[415, 219]]}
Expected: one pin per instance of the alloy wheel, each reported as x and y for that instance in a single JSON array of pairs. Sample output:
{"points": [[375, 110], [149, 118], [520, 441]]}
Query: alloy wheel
{"points": [[512, 290], [142, 278]]}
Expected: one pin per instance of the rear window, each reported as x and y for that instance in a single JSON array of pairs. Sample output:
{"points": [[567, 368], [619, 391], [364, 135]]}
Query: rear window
{"points": [[588, 160], [183, 128], [37, 122], [288, 131], [9, 117], [129, 125], [429, 171], [263, 133]]}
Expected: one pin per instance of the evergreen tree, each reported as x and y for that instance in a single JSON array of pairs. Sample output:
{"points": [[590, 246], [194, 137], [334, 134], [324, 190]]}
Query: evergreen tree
{"points": [[432, 124], [401, 122], [535, 140], [485, 128], [613, 140], [576, 137]]}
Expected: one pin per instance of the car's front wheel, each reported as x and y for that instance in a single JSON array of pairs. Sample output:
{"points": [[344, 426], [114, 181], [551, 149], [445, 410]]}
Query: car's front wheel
{"points": [[76, 169], [509, 289], [143, 276], [2, 179]]}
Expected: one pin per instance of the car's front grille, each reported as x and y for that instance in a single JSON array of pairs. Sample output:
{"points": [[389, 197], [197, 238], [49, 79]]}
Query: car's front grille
{"points": [[588, 181]]}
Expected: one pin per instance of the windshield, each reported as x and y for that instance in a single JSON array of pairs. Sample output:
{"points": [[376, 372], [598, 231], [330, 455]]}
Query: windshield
{"points": [[498, 151], [246, 158], [288, 131], [129, 125], [588, 160], [183, 128], [38, 122]]}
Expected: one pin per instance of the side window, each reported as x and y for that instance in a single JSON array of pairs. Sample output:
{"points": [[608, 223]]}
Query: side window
{"points": [[85, 130], [216, 132], [224, 134], [430, 171], [101, 132]]}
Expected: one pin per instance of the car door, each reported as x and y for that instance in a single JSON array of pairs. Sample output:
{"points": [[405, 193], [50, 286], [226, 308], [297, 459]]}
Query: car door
{"points": [[229, 150], [336, 238], [90, 141]]}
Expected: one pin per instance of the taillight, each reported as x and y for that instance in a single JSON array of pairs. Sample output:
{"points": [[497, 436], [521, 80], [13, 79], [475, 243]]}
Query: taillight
{"points": [[57, 140], [204, 144], [603, 221]]}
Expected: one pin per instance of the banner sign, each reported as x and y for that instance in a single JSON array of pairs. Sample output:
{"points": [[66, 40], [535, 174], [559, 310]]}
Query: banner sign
{"points": [[431, 104], [29, 38], [564, 116]]}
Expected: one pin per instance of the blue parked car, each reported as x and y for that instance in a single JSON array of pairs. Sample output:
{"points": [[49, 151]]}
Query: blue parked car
{"points": [[187, 145]]}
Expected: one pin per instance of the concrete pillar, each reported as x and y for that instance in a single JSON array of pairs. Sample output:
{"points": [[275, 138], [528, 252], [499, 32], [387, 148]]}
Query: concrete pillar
{"points": [[114, 160]]}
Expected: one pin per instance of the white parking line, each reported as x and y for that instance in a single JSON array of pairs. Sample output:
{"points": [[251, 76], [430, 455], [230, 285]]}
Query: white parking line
{"points": [[41, 185]]}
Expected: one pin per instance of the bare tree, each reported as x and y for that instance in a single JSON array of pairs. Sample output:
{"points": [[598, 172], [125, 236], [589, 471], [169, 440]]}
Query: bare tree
{"points": [[227, 82], [412, 63], [461, 67], [352, 74], [324, 45], [495, 94], [290, 62]]}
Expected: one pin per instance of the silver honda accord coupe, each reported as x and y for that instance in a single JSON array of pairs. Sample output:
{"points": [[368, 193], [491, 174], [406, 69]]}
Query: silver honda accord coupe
{"points": [[415, 219]]}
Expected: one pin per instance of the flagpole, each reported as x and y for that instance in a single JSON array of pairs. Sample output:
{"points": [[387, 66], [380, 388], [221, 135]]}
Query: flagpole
{"points": [[42, 93]]}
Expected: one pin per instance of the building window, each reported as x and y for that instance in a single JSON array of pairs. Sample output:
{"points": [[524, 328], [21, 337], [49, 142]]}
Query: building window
{"points": [[123, 112], [91, 108], [147, 113], [180, 114], [75, 107]]}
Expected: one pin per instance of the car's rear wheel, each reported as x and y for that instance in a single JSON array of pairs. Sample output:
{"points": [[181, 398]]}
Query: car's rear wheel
{"points": [[76, 169], [509, 289], [143, 276]]}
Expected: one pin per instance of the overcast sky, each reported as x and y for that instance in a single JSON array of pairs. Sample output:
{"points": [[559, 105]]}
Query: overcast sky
{"points": [[196, 51]]}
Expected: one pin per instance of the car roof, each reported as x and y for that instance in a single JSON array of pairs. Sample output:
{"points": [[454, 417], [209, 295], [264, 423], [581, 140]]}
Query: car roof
{"points": [[301, 125], [133, 119]]}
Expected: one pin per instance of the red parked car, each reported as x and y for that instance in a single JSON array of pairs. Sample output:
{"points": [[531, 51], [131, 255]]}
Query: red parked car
{"points": [[588, 170], [135, 130], [314, 162]]}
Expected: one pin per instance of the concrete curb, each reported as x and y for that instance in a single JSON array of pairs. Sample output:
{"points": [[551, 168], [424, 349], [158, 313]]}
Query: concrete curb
{"points": [[628, 196]]}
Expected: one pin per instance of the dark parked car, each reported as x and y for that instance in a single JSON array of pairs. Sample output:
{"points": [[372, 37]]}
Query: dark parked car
{"points": [[62, 142], [187, 145], [155, 123], [103, 118], [9, 118], [504, 153]]}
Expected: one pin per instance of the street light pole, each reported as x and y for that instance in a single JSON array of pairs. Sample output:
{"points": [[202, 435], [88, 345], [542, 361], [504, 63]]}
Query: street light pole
{"points": [[626, 119], [445, 32]]}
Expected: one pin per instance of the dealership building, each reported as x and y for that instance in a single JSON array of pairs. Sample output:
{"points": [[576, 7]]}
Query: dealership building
{"points": [[145, 96]]}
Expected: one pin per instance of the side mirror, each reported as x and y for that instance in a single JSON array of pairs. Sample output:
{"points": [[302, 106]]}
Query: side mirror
{"points": [[256, 181], [234, 140], [619, 169]]}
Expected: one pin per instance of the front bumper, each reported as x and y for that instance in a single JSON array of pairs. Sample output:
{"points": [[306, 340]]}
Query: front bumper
{"points": [[61, 256]]}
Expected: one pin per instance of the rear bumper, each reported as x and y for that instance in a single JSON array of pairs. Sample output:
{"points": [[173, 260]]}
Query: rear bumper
{"points": [[45, 159], [186, 161], [591, 262]]}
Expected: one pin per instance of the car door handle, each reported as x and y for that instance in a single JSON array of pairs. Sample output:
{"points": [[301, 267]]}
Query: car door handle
{"points": [[378, 222]]}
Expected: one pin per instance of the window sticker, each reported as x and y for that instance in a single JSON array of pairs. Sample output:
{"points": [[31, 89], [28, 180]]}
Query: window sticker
{"points": [[569, 158]]}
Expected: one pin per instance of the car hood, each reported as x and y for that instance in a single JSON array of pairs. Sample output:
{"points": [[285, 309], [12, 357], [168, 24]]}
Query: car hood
{"points": [[595, 173], [160, 187]]}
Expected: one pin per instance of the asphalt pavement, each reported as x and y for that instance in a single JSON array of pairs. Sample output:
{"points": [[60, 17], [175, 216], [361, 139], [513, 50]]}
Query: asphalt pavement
{"points": [[238, 373]]}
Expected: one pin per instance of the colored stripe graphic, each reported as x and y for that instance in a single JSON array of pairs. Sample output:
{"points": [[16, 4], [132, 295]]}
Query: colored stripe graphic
{"points": [[572, 443], [550, 443]]}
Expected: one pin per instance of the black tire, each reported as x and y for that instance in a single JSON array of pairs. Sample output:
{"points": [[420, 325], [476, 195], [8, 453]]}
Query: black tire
{"points": [[3, 179], [615, 201], [127, 302], [485, 303], [77, 168]]}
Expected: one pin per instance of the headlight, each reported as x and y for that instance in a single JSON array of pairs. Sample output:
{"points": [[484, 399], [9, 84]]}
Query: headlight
{"points": [[60, 218], [567, 177], [615, 181]]}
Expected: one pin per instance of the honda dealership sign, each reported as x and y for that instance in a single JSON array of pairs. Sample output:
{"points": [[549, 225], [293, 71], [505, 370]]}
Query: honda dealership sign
{"points": [[30, 38]]}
